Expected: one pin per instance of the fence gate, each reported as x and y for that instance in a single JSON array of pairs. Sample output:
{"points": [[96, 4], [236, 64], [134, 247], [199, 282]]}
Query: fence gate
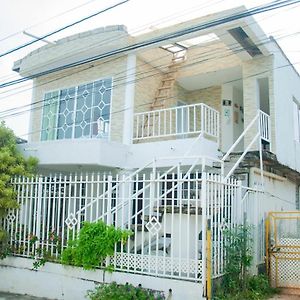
{"points": [[283, 244]]}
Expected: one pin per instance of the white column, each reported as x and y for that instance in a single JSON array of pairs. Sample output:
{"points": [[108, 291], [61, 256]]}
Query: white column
{"points": [[129, 99], [227, 117]]}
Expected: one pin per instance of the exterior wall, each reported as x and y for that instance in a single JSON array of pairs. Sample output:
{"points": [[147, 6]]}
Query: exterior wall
{"points": [[232, 118], [210, 96], [280, 193], [210, 58], [252, 70], [148, 80], [286, 86], [115, 68], [55, 281]]}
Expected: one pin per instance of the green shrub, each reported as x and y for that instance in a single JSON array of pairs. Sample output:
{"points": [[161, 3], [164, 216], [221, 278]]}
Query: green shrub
{"points": [[94, 243], [236, 283], [114, 291]]}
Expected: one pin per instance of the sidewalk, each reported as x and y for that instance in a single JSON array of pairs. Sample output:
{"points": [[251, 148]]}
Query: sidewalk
{"points": [[9, 296]]}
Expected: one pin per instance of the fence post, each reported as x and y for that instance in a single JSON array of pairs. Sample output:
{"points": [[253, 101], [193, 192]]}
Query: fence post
{"points": [[208, 261], [267, 224], [39, 210], [109, 198], [109, 214], [239, 209], [204, 224]]}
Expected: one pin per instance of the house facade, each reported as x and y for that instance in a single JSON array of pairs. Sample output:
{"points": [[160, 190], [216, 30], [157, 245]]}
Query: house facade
{"points": [[160, 133]]}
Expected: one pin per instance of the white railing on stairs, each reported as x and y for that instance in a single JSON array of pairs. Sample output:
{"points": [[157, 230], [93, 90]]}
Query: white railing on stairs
{"points": [[262, 131], [265, 126], [185, 121]]}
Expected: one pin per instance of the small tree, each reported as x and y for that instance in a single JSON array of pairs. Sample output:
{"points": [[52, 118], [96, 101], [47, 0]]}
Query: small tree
{"points": [[12, 163], [237, 283], [238, 257]]}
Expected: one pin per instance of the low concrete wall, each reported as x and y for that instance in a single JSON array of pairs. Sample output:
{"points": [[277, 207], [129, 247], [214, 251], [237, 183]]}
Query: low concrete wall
{"points": [[55, 281]]}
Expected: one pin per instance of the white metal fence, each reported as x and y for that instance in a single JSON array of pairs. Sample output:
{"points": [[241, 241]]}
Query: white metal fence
{"points": [[186, 120], [167, 213]]}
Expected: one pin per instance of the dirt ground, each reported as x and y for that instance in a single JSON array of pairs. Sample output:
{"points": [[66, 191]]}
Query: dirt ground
{"points": [[287, 294]]}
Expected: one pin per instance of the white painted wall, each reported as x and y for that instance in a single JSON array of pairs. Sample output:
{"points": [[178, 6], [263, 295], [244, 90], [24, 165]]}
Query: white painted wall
{"points": [[280, 193], [286, 86], [227, 118], [55, 281], [238, 117]]}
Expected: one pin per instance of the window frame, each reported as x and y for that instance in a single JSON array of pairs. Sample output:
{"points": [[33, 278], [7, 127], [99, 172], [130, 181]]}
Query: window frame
{"points": [[108, 137]]}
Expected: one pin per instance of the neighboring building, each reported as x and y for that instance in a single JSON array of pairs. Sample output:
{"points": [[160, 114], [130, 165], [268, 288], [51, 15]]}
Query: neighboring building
{"points": [[144, 132]]}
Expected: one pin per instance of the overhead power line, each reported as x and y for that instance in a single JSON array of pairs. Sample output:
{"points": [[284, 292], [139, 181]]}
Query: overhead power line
{"points": [[140, 105], [47, 20], [257, 10], [135, 30], [204, 57], [61, 29], [98, 44]]}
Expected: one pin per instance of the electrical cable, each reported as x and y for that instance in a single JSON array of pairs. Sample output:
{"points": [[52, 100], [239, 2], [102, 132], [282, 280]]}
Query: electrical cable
{"points": [[61, 29], [271, 6]]}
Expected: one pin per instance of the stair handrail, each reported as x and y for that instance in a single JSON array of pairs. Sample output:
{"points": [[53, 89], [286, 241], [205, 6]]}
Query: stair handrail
{"points": [[116, 186], [258, 136], [137, 193], [240, 137]]}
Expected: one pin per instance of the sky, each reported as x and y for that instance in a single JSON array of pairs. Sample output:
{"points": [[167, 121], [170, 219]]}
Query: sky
{"points": [[39, 17]]}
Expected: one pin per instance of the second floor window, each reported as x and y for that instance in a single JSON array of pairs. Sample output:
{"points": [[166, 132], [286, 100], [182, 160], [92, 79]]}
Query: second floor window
{"points": [[77, 112]]}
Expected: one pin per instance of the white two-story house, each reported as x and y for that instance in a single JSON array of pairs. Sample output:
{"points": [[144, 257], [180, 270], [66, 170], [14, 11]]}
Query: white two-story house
{"points": [[161, 133]]}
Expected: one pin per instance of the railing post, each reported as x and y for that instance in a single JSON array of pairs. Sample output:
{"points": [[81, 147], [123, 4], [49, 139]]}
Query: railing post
{"points": [[109, 215], [204, 225], [39, 210], [109, 198], [260, 147], [202, 118], [239, 203], [208, 261]]}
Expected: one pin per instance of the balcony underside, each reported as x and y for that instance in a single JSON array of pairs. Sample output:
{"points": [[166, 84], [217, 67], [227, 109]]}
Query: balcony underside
{"points": [[97, 154]]}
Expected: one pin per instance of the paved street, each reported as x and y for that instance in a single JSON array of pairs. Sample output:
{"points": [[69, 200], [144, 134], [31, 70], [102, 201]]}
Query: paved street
{"points": [[8, 296]]}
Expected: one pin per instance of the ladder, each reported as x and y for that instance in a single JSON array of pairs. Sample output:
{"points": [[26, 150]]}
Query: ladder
{"points": [[165, 89]]}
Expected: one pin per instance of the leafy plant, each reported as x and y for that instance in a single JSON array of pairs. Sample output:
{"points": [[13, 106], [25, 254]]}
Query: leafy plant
{"points": [[114, 291], [39, 263], [94, 243], [238, 257], [237, 283], [12, 163]]}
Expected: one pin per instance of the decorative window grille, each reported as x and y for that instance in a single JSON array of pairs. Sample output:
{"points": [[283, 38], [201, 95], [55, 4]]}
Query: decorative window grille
{"points": [[77, 112]]}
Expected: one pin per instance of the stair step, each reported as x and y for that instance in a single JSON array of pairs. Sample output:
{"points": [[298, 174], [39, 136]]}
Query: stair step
{"points": [[147, 218], [177, 209], [139, 227]]}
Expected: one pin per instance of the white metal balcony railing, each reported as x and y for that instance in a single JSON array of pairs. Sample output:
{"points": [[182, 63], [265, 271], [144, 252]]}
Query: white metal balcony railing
{"points": [[180, 121]]}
